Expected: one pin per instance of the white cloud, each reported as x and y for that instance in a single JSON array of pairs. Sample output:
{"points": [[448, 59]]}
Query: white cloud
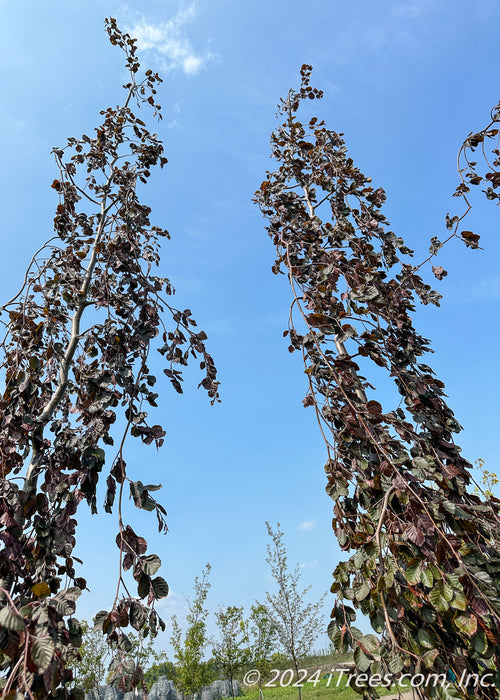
{"points": [[309, 564], [173, 604], [307, 525], [170, 42]]}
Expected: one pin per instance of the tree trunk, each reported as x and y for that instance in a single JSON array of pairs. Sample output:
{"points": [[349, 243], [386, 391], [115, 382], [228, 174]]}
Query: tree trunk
{"points": [[296, 665]]}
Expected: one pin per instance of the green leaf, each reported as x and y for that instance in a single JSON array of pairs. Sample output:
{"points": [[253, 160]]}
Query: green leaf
{"points": [[459, 602], [369, 642], [446, 592], [454, 581], [42, 651], [396, 664], [466, 624], [429, 657], [484, 577], [359, 558], [75, 632], [93, 458], [480, 643], [151, 487], [99, 619], [426, 578], [450, 507], [361, 590], [124, 643], [421, 463], [160, 587], [437, 600], [11, 620], [378, 622], [356, 633], [428, 615], [151, 564], [337, 640], [361, 660], [376, 668], [414, 573], [436, 573], [137, 615], [424, 639], [35, 363], [332, 629]]}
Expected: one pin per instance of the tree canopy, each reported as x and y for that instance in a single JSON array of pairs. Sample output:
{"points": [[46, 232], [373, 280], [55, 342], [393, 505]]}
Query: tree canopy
{"points": [[426, 550], [76, 368]]}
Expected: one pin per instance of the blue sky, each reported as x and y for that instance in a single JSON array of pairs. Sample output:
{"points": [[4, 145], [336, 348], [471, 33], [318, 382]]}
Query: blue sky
{"points": [[405, 81]]}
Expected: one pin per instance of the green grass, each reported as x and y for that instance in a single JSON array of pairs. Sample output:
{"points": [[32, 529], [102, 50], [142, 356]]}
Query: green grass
{"points": [[325, 689]]}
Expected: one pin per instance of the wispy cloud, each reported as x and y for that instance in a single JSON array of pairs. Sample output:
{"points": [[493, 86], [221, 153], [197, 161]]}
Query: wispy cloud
{"points": [[485, 289], [413, 10], [22, 132], [173, 604], [307, 525], [170, 41], [309, 564], [410, 26]]}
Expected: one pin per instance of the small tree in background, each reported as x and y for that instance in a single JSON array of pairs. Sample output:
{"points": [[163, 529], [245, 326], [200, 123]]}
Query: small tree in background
{"points": [[425, 562], [263, 641], [296, 622], [192, 671], [75, 357], [488, 482], [231, 650], [89, 670], [157, 670]]}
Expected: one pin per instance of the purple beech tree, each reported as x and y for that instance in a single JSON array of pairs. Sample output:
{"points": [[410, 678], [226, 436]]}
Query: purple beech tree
{"points": [[425, 551], [76, 355]]}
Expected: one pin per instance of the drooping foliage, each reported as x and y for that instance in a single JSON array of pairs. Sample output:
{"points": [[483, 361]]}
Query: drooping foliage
{"points": [[76, 356], [424, 550]]}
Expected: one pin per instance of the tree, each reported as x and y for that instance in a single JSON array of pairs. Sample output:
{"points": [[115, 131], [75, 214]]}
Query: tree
{"points": [[263, 642], [193, 672], [89, 669], [76, 353], [159, 669], [231, 650], [425, 567], [296, 622], [489, 480]]}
